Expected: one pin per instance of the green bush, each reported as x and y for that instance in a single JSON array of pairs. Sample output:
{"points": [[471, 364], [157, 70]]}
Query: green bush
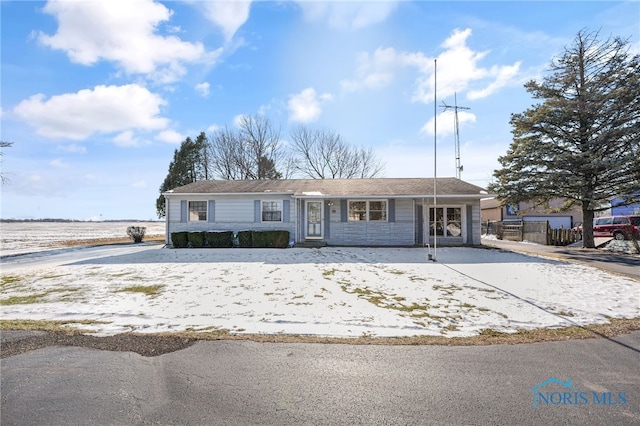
{"points": [[244, 238], [196, 239], [180, 239], [270, 239], [218, 239]]}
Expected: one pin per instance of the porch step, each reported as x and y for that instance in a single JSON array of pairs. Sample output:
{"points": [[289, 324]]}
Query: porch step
{"points": [[311, 244]]}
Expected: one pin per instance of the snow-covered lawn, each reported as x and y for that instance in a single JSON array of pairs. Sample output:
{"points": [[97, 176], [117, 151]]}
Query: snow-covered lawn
{"points": [[348, 292], [29, 237]]}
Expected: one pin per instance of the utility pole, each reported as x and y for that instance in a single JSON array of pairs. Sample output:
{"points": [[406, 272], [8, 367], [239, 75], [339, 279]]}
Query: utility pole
{"points": [[455, 109]]}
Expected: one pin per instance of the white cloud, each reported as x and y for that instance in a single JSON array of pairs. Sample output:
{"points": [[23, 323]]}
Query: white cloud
{"points": [[73, 148], [170, 136], [237, 120], [347, 15], [446, 123], [128, 139], [374, 71], [105, 109], [228, 16], [124, 32], [264, 109], [504, 75], [139, 184], [59, 164], [213, 128], [458, 70], [203, 89], [37, 184], [306, 105]]}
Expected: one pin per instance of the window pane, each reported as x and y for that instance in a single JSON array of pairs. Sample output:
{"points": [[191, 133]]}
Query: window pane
{"points": [[436, 221], [357, 210], [271, 216], [197, 210], [271, 211], [377, 216], [378, 211], [454, 222], [377, 205]]}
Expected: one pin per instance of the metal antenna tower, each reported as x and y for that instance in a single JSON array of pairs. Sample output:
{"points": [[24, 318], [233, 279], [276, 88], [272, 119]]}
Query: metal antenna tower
{"points": [[455, 109]]}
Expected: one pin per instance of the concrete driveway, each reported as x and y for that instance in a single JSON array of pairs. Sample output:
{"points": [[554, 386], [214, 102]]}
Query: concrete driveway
{"points": [[618, 263]]}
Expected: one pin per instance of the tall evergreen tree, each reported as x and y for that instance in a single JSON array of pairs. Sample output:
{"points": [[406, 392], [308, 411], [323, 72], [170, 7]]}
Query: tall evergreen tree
{"points": [[188, 166], [582, 142]]}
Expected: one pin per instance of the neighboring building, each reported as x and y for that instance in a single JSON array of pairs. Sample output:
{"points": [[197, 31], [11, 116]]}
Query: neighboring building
{"points": [[618, 210], [494, 211], [343, 212]]}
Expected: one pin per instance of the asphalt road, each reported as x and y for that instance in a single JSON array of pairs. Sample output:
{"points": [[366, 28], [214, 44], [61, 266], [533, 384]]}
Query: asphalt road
{"points": [[242, 383]]}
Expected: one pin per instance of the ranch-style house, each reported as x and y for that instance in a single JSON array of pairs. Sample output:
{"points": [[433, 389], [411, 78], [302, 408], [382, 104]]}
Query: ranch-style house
{"points": [[340, 212]]}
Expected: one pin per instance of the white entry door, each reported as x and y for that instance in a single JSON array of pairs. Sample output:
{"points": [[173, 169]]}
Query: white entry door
{"points": [[314, 219]]}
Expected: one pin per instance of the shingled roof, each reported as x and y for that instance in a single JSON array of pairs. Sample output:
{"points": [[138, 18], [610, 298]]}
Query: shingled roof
{"points": [[396, 187]]}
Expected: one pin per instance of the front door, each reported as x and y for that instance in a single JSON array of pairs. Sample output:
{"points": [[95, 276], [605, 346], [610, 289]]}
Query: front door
{"points": [[314, 219]]}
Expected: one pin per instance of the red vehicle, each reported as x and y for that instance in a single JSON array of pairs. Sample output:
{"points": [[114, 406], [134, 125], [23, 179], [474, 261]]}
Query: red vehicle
{"points": [[618, 227]]}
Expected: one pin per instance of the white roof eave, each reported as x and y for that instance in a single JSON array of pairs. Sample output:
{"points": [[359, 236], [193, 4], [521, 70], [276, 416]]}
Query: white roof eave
{"points": [[324, 196]]}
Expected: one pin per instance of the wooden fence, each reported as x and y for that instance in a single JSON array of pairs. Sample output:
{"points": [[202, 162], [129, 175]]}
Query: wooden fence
{"points": [[537, 232]]}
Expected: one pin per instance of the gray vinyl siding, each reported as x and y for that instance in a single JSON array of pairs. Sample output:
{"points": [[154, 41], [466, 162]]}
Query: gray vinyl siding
{"points": [[232, 213], [476, 223], [398, 233], [234, 209], [236, 212]]}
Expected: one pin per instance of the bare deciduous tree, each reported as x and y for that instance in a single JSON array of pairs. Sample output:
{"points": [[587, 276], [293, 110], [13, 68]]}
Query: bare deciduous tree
{"points": [[252, 151], [223, 154], [322, 154], [259, 140]]}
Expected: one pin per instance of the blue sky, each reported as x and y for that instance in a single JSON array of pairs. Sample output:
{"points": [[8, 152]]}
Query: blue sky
{"points": [[97, 95]]}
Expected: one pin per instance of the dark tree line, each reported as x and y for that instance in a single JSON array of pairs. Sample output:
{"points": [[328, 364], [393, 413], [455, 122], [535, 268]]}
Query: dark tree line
{"points": [[254, 149]]}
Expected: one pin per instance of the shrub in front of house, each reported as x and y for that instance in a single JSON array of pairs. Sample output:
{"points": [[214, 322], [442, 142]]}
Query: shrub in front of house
{"points": [[270, 239], [180, 239], [137, 233], [196, 239], [219, 239], [244, 239]]}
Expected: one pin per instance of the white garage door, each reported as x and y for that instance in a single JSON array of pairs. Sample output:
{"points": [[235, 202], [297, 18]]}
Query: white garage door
{"points": [[555, 222]]}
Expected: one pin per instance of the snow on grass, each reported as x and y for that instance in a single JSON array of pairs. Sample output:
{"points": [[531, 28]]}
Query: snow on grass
{"points": [[29, 237], [342, 292]]}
